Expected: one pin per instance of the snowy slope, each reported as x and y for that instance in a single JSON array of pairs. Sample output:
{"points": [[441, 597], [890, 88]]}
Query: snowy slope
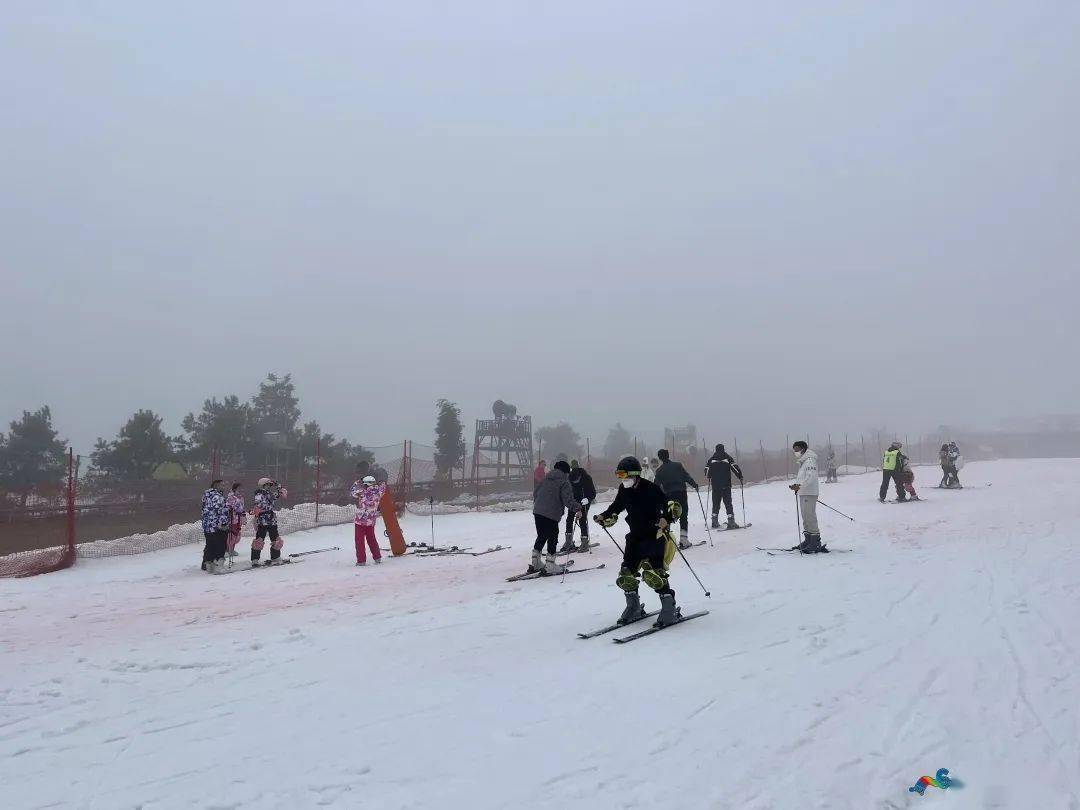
{"points": [[946, 639]]}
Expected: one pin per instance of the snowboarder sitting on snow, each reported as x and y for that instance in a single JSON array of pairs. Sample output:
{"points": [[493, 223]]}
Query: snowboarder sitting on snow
{"points": [[368, 494], [584, 493], [672, 478], [718, 470], [266, 520], [553, 494], [806, 487], [649, 545]]}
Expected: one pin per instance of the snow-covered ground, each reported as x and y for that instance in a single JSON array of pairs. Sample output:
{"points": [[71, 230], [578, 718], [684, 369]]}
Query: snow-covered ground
{"points": [[946, 639]]}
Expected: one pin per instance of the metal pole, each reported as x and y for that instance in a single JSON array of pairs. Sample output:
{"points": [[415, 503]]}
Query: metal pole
{"points": [[318, 474], [863, 440], [787, 446], [764, 468]]}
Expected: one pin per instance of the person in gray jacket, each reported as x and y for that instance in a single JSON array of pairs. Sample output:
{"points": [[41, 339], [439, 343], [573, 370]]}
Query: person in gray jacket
{"points": [[672, 477], [552, 495]]}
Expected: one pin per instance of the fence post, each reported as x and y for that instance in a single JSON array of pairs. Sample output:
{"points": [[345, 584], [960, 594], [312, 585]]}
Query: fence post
{"points": [[846, 453], [588, 454], [787, 455], [764, 469], [863, 440], [318, 474], [71, 505]]}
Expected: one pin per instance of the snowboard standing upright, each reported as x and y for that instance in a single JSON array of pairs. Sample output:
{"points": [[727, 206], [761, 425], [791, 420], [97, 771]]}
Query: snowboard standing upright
{"points": [[388, 510]]}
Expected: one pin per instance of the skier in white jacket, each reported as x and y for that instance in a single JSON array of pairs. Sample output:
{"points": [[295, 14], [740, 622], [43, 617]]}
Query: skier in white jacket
{"points": [[806, 487]]}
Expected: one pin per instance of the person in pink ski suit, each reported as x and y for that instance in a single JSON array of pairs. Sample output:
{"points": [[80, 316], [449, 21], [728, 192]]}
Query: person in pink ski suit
{"points": [[237, 516], [367, 494]]}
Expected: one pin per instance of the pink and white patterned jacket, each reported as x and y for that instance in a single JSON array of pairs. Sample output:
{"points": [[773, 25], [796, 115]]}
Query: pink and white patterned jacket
{"points": [[237, 514], [367, 502]]}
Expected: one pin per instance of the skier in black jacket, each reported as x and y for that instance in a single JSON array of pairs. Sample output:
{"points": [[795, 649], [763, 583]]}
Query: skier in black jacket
{"points": [[672, 477], [718, 469], [584, 494], [649, 547]]}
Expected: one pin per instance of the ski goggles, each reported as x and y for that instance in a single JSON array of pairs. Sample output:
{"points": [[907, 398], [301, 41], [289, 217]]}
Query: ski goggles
{"points": [[622, 475]]}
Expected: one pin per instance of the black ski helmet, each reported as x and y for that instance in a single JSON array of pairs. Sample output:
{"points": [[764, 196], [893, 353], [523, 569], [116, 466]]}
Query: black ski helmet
{"points": [[629, 465]]}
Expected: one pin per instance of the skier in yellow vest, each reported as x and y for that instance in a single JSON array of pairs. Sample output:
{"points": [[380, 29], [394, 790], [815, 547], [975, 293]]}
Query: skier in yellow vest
{"points": [[891, 467]]}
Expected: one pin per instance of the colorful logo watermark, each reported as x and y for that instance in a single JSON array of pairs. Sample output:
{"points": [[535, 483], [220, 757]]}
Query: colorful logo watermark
{"points": [[939, 780]]}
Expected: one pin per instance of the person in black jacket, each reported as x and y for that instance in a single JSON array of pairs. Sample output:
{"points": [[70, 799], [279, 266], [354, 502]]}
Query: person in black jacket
{"points": [[718, 469], [649, 547], [584, 494], [672, 478]]}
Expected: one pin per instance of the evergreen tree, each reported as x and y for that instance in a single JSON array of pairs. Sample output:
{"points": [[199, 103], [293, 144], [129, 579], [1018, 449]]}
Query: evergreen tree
{"points": [[276, 407], [560, 438], [30, 454], [619, 442], [137, 450], [449, 439], [228, 425]]}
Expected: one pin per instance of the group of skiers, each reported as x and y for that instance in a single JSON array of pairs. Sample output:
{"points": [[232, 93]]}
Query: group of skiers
{"points": [[951, 463], [224, 517]]}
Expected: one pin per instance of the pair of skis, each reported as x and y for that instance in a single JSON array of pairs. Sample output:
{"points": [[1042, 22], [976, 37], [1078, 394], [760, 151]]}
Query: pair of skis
{"points": [[773, 552], [236, 569], [541, 574], [576, 550], [642, 633]]}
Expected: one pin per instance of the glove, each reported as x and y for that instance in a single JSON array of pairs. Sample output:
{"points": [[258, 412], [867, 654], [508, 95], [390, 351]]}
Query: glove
{"points": [[663, 524], [584, 501], [795, 487], [674, 509], [607, 521]]}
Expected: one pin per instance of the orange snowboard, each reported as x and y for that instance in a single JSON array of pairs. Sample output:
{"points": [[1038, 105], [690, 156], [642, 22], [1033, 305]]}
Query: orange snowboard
{"points": [[388, 510]]}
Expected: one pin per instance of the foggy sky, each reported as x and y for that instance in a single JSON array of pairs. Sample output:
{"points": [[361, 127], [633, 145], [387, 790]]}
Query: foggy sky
{"points": [[757, 217]]}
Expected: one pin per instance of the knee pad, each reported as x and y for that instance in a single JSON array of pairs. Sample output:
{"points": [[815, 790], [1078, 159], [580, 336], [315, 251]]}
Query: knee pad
{"points": [[277, 544], [257, 544], [657, 580], [627, 580]]}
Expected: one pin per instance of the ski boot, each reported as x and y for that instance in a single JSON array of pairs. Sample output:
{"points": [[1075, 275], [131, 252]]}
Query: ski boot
{"points": [[378, 560], [715, 522], [204, 565], [684, 541], [536, 564], [584, 547], [669, 612], [567, 546], [731, 524], [633, 611], [811, 544], [552, 568], [360, 564]]}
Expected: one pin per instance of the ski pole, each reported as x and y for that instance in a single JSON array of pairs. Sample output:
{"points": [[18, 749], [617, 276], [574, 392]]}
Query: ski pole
{"points": [[849, 517], [431, 508], [742, 497], [688, 565], [613, 540], [702, 505], [798, 525]]}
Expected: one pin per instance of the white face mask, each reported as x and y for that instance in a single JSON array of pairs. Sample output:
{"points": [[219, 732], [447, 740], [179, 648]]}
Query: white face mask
{"points": [[798, 453], [628, 483]]}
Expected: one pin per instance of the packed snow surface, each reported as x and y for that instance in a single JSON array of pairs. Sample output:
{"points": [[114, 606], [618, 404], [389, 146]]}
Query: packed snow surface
{"points": [[946, 639]]}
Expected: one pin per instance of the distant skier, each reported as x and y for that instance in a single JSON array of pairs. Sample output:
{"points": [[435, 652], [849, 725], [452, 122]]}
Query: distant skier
{"points": [[380, 474], [539, 473], [946, 465], [584, 493], [718, 470], [648, 468], [215, 524], [907, 476], [956, 463], [649, 546], [266, 525], [237, 516], [672, 478], [553, 494], [890, 472], [368, 493], [830, 467], [806, 487]]}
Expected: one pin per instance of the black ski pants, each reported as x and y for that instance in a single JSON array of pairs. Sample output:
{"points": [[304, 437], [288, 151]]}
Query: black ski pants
{"points": [[643, 548], [722, 494], [894, 476], [583, 522], [680, 499], [215, 545], [547, 531]]}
